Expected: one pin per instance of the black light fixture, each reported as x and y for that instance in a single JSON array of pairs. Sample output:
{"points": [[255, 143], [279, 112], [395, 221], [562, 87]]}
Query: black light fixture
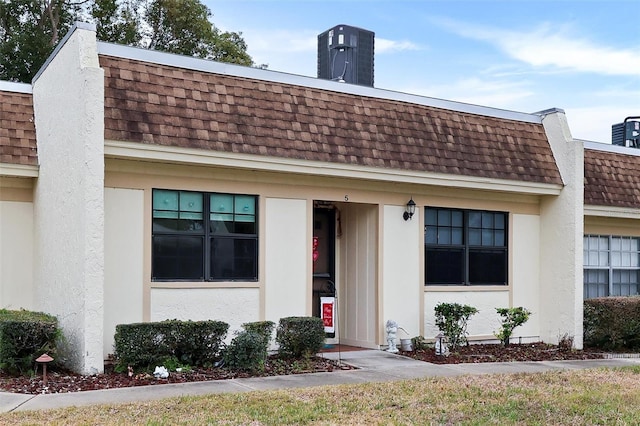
{"points": [[410, 210]]}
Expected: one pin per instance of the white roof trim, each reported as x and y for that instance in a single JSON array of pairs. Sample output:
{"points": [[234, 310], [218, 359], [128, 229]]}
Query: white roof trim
{"points": [[203, 65], [9, 86], [606, 147], [617, 212], [167, 154], [18, 170]]}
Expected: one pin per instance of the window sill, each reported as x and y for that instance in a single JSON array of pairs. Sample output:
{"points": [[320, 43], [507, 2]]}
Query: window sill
{"points": [[205, 284], [461, 288]]}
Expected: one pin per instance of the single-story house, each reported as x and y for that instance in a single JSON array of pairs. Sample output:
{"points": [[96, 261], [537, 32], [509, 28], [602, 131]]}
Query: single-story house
{"points": [[141, 186]]}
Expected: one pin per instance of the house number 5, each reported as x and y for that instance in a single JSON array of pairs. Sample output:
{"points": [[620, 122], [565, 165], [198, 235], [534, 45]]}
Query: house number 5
{"points": [[346, 198]]}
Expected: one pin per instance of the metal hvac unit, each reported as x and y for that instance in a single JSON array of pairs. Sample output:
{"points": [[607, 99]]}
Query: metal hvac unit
{"points": [[626, 133], [345, 54]]}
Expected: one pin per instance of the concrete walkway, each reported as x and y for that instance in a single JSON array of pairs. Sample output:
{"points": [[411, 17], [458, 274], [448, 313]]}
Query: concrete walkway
{"points": [[373, 366]]}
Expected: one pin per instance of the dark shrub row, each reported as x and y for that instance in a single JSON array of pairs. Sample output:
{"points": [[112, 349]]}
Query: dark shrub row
{"points": [[143, 345], [612, 323], [200, 343], [24, 336]]}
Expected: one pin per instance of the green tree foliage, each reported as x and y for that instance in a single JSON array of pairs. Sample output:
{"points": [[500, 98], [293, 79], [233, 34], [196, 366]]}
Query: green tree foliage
{"points": [[117, 21], [30, 30]]}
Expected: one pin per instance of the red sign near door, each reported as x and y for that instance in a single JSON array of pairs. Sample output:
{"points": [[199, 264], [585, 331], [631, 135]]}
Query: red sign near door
{"points": [[327, 305]]}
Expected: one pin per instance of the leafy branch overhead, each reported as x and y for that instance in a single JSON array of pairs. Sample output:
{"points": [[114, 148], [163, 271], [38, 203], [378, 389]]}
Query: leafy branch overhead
{"points": [[30, 30]]}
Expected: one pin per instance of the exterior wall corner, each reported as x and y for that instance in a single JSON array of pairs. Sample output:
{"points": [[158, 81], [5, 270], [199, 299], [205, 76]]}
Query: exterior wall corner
{"points": [[562, 219]]}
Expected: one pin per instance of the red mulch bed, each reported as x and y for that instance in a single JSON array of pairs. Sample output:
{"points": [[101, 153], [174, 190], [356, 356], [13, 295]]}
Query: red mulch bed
{"points": [[498, 353], [64, 381]]}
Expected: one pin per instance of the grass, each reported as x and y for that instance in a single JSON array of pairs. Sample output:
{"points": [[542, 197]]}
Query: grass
{"points": [[599, 396]]}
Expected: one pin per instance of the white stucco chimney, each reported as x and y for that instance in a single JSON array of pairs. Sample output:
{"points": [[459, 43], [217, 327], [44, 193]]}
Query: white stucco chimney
{"points": [[68, 98]]}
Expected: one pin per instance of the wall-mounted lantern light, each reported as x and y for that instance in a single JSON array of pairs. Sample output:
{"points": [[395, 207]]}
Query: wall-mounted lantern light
{"points": [[410, 210]]}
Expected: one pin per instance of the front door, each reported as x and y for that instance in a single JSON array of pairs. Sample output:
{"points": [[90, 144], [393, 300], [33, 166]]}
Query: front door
{"points": [[324, 257]]}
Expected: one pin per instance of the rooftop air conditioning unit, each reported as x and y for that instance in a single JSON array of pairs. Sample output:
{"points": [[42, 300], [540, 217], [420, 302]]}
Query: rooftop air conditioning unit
{"points": [[626, 133]]}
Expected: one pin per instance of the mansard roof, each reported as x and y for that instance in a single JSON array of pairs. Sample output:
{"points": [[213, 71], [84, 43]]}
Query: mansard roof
{"points": [[305, 119], [17, 130], [611, 176]]}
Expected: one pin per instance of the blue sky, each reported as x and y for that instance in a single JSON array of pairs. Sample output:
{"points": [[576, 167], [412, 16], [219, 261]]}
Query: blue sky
{"points": [[581, 56]]}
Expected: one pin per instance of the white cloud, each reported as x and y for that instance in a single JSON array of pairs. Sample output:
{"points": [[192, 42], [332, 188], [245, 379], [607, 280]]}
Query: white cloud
{"points": [[553, 46], [389, 46]]}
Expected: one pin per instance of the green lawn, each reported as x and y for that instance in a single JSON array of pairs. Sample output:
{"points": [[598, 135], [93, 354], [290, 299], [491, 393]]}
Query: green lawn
{"points": [[602, 396]]}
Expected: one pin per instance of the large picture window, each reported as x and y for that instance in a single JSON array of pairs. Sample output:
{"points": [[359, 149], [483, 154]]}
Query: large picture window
{"points": [[611, 266], [204, 236], [465, 247]]}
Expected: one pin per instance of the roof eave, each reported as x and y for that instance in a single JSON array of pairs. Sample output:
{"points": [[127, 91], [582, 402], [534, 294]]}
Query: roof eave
{"points": [[169, 154], [612, 212], [18, 170]]}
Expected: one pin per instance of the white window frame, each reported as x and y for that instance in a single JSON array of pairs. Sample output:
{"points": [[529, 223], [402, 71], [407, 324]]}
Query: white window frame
{"points": [[609, 267]]}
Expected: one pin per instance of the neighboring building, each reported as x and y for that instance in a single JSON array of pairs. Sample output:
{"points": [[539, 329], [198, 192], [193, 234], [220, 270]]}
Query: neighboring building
{"points": [[172, 187], [611, 231]]}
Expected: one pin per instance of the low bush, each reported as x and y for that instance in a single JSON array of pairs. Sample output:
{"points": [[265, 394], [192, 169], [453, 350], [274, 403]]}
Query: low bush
{"points": [[511, 318], [451, 320], [420, 343], [248, 349], [300, 337], [612, 323], [246, 352], [145, 345], [24, 336]]}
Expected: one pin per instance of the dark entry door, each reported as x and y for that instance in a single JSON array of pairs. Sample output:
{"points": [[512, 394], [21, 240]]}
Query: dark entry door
{"points": [[324, 256]]}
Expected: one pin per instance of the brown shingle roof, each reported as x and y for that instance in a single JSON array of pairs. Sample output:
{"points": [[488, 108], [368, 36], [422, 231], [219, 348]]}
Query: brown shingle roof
{"points": [[17, 131], [611, 179], [163, 105]]}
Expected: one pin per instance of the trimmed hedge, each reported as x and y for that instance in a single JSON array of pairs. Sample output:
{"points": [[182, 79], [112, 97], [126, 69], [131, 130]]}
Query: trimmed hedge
{"points": [[24, 336], [612, 323], [300, 337], [262, 328], [195, 343]]}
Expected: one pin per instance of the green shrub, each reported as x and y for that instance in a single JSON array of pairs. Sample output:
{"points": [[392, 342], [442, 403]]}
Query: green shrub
{"points": [[612, 323], [24, 336], [420, 343], [511, 318], [246, 352], [262, 328], [145, 345], [451, 320], [300, 337], [198, 342]]}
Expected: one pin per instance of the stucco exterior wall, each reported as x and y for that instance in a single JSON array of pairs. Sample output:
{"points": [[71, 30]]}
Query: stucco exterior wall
{"points": [[481, 325], [287, 288], [123, 260], [234, 306], [525, 277], [16, 255], [68, 99], [401, 286], [561, 225], [599, 225]]}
